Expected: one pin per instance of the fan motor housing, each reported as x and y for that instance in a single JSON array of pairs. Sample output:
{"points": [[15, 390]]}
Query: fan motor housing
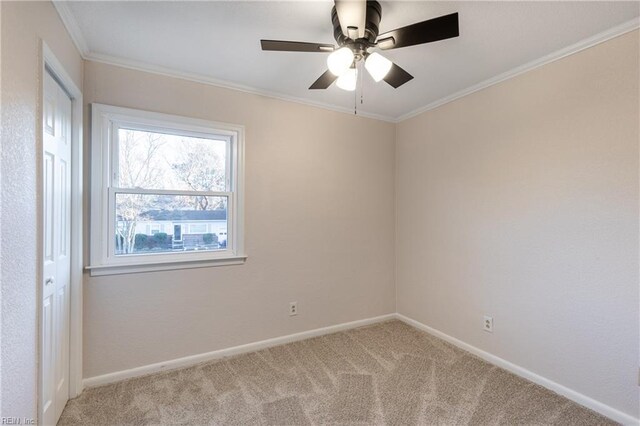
{"points": [[372, 22]]}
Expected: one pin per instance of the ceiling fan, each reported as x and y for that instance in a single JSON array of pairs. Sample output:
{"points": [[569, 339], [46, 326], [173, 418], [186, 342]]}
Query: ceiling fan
{"points": [[355, 28]]}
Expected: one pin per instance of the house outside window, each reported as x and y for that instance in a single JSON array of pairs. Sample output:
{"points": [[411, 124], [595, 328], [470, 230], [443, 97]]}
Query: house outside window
{"points": [[166, 192]]}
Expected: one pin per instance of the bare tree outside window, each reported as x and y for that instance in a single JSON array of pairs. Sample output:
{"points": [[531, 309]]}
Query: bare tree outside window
{"points": [[201, 169], [137, 169]]}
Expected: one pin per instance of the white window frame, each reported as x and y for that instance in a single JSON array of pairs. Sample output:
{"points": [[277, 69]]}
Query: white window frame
{"points": [[106, 120]]}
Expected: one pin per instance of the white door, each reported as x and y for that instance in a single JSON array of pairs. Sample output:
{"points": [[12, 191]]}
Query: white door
{"points": [[56, 174]]}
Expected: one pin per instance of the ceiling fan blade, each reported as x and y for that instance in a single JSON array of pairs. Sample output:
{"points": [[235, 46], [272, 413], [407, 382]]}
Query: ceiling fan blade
{"points": [[352, 14], [396, 76], [435, 29], [324, 81], [295, 46]]}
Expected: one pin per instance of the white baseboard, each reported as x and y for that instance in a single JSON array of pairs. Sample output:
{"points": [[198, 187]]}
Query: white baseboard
{"points": [[249, 347], [187, 361], [575, 396]]}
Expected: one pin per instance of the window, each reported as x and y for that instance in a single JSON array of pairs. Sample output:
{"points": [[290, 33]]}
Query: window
{"points": [[198, 228], [154, 228], [159, 184]]}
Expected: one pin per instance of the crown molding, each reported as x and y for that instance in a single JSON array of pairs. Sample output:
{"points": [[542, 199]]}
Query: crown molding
{"points": [[203, 79], [73, 28], [552, 57], [70, 23]]}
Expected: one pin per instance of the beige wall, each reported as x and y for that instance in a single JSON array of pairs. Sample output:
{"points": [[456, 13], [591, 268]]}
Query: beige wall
{"points": [[521, 202], [319, 231], [23, 25]]}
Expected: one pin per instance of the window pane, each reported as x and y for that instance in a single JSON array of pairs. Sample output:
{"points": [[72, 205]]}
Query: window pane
{"points": [[189, 223], [151, 160]]}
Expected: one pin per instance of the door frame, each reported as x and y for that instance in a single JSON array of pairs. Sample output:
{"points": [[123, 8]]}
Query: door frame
{"points": [[48, 60]]}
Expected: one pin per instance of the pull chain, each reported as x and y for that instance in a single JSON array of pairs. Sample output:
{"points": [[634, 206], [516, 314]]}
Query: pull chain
{"points": [[361, 86], [355, 92], [355, 102]]}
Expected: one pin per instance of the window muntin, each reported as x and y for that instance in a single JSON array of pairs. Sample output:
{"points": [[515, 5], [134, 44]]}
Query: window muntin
{"points": [[164, 189]]}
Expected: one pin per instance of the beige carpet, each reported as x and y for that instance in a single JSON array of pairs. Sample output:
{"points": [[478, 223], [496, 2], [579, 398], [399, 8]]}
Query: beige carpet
{"points": [[388, 373]]}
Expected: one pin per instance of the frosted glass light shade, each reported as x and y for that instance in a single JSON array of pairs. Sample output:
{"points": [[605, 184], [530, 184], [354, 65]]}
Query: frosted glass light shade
{"points": [[340, 60], [378, 66], [347, 81]]}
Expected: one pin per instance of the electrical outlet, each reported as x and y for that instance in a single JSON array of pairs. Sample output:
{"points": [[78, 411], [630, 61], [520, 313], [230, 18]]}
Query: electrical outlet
{"points": [[293, 308], [488, 324]]}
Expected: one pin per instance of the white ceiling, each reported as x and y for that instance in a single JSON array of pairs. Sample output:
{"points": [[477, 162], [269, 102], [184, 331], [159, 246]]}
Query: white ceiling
{"points": [[219, 41]]}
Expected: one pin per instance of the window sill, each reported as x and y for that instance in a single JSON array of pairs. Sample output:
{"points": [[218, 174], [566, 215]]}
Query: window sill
{"points": [[133, 268]]}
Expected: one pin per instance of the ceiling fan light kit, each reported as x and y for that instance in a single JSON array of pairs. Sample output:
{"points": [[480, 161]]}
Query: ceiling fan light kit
{"points": [[377, 65], [340, 60], [355, 29], [347, 81]]}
